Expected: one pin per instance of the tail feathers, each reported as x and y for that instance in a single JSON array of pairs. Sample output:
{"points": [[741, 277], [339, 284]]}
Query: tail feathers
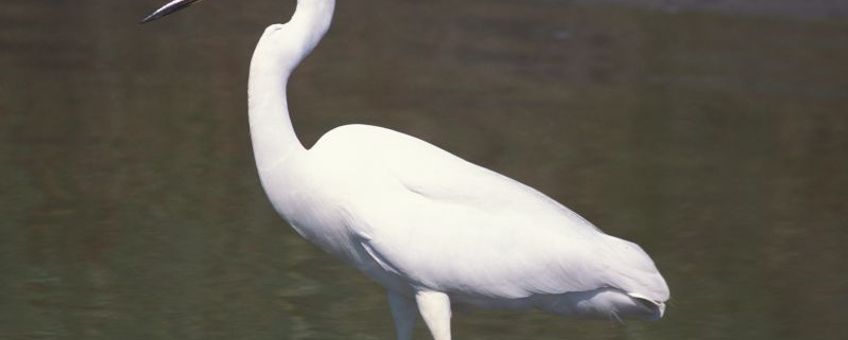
{"points": [[632, 270]]}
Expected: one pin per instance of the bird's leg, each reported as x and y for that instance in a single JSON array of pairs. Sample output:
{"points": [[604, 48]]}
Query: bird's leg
{"points": [[403, 311], [435, 309]]}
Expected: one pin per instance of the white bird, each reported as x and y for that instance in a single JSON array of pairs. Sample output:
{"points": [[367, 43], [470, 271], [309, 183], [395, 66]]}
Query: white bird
{"points": [[430, 227]]}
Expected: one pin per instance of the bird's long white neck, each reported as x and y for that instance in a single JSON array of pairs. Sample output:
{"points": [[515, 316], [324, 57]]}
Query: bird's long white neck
{"points": [[280, 49]]}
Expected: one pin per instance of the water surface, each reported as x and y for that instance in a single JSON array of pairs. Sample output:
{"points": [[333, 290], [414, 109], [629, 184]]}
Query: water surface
{"points": [[714, 137]]}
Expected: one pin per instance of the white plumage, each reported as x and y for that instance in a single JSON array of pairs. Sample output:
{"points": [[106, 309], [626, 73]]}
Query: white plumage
{"points": [[431, 227]]}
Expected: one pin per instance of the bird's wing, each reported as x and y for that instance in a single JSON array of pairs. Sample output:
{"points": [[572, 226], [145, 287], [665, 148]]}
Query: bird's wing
{"points": [[451, 225]]}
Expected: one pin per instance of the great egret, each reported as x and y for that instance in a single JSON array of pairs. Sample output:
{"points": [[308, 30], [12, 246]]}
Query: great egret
{"points": [[430, 227]]}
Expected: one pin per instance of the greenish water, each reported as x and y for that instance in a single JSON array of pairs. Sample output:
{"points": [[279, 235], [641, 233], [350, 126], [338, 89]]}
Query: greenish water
{"points": [[131, 208]]}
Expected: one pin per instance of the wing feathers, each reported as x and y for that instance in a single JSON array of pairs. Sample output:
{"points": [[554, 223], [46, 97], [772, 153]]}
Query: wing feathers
{"points": [[450, 224]]}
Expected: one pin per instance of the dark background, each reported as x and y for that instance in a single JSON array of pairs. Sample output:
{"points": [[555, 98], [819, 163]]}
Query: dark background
{"points": [[713, 133]]}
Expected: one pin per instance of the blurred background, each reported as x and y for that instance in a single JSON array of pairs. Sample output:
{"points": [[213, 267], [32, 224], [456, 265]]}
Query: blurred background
{"points": [[712, 132]]}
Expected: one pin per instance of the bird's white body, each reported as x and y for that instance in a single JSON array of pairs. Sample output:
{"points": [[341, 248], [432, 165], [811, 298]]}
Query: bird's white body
{"points": [[430, 227], [413, 216]]}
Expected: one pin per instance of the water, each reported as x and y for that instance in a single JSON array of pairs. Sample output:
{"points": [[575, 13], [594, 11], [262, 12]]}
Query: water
{"points": [[131, 208]]}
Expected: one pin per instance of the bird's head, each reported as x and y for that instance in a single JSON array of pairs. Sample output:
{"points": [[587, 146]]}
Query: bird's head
{"points": [[283, 45], [176, 5]]}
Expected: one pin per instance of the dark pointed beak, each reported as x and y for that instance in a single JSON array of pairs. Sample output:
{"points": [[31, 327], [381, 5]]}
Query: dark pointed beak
{"points": [[169, 8]]}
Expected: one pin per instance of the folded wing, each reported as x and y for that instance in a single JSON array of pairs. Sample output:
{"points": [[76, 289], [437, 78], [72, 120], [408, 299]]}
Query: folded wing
{"points": [[450, 225]]}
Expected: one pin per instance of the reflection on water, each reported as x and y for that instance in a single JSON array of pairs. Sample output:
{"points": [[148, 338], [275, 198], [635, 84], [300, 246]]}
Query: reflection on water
{"points": [[131, 209]]}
